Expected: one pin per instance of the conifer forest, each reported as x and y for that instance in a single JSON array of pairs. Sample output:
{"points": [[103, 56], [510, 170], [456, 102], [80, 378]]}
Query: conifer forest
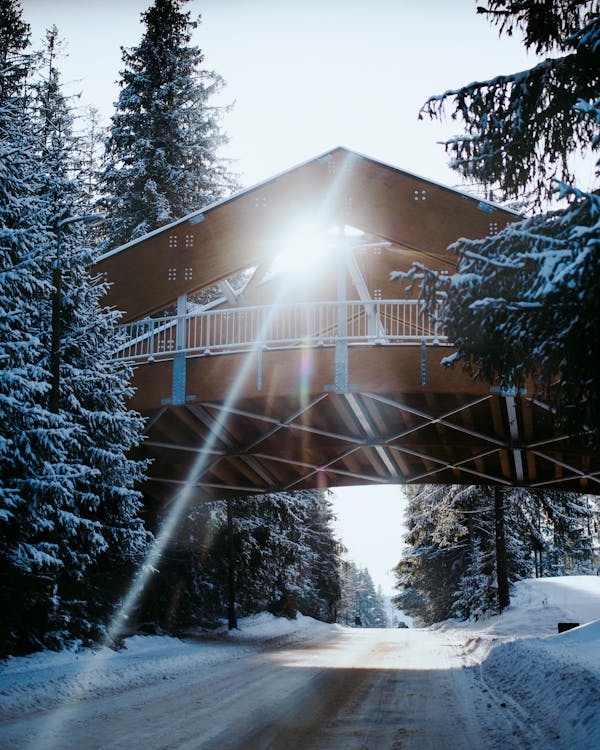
{"points": [[74, 529]]}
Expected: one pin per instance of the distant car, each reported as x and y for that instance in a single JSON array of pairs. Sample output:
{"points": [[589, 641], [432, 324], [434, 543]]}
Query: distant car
{"points": [[402, 624]]}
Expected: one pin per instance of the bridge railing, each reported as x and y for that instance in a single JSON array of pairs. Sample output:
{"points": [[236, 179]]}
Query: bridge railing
{"points": [[392, 322]]}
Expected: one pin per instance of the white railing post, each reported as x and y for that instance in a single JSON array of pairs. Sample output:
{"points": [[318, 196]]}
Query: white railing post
{"points": [[150, 328]]}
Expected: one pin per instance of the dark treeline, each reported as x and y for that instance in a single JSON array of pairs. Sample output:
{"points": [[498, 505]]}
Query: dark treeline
{"points": [[451, 565], [286, 561]]}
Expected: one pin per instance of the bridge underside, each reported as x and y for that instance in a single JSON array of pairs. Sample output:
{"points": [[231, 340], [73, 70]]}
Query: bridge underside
{"points": [[403, 420]]}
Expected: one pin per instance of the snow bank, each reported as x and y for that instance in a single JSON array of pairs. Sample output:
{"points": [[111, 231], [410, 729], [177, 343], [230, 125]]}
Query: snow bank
{"points": [[49, 678], [537, 606], [555, 679], [264, 627]]}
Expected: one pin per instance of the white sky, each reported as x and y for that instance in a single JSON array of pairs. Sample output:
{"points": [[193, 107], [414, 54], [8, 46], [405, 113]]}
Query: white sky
{"points": [[370, 523], [306, 76]]}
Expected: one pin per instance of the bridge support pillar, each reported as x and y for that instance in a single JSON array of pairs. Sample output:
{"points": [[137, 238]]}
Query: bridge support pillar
{"points": [[341, 384], [179, 363]]}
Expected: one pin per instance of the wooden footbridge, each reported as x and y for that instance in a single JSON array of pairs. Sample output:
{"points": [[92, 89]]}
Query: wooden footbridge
{"points": [[273, 352]]}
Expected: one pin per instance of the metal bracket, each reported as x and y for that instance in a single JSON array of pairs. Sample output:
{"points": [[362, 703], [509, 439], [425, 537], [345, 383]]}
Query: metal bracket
{"points": [[341, 367], [508, 391], [423, 363]]}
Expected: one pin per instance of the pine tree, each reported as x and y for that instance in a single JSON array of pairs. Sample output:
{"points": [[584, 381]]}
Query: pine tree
{"points": [[522, 128], [286, 554], [450, 567], [560, 527], [524, 304], [164, 137], [361, 605], [286, 561], [476, 593], [429, 573], [97, 526], [321, 588], [68, 506], [33, 441], [90, 147]]}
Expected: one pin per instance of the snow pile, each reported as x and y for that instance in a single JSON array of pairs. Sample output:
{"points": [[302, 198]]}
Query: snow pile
{"points": [[539, 604], [522, 657], [265, 627], [49, 678], [557, 676]]}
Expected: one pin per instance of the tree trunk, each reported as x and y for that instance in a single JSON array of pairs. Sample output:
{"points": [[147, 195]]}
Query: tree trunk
{"points": [[231, 617], [501, 564]]}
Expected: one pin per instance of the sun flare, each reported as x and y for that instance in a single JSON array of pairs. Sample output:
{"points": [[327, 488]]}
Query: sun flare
{"points": [[308, 246]]}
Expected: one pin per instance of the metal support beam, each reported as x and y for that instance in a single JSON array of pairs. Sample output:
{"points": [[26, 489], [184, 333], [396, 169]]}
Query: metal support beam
{"points": [[444, 465], [578, 474], [214, 427], [365, 422], [323, 467], [513, 427], [152, 420], [341, 380], [375, 328], [442, 419], [259, 470], [179, 364], [228, 292], [288, 422], [239, 488], [245, 449], [185, 448]]}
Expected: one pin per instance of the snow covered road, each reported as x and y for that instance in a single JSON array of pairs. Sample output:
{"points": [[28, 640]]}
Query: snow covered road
{"points": [[364, 689], [344, 689], [508, 682]]}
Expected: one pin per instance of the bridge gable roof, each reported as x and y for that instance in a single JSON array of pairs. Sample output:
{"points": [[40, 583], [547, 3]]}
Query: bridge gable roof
{"points": [[339, 187]]}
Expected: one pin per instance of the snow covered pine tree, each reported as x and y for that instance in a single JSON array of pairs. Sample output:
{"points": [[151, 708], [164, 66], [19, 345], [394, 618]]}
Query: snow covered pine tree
{"points": [[32, 448], [70, 525], [161, 151], [286, 560], [450, 568], [526, 302]]}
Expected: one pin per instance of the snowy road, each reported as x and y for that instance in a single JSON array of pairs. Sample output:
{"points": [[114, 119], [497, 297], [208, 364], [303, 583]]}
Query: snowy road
{"points": [[351, 689], [508, 682]]}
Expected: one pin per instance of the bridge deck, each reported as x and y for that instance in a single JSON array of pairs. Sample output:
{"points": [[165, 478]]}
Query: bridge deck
{"points": [[280, 426]]}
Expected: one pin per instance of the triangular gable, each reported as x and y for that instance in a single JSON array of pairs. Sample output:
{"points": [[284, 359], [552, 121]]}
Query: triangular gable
{"points": [[417, 216]]}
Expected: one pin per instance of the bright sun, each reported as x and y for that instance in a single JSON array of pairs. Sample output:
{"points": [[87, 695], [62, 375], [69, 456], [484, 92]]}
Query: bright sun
{"points": [[307, 245]]}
